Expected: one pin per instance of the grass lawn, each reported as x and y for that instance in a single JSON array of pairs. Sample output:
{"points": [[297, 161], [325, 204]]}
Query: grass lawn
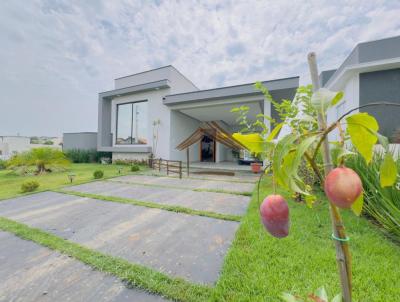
{"points": [[10, 182], [259, 267]]}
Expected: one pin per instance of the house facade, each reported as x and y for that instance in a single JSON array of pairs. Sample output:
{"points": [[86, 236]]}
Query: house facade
{"points": [[154, 111], [370, 74]]}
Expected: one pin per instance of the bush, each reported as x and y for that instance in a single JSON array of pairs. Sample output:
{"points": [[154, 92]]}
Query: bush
{"points": [[29, 186], [380, 204], [3, 164], [45, 159], [130, 162], [135, 168], [86, 156], [98, 174]]}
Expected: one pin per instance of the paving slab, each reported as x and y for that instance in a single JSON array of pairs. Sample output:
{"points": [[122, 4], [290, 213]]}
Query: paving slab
{"points": [[187, 183], [206, 175], [30, 272], [191, 247], [205, 201]]}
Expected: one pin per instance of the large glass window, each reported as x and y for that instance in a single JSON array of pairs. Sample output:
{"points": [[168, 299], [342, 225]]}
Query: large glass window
{"points": [[132, 124]]}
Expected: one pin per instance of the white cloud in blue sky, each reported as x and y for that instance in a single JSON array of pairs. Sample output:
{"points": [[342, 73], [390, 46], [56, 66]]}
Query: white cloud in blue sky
{"points": [[55, 56]]}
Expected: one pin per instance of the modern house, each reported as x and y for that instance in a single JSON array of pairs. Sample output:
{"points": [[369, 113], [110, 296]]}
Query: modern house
{"points": [[370, 74], [155, 110]]}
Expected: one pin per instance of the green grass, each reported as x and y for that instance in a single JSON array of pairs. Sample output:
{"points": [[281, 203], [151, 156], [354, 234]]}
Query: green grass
{"points": [[133, 274], [185, 188], [259, 267], [172, 208], [10, 182]]}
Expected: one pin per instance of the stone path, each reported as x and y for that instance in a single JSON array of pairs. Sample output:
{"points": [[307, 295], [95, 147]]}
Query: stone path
{"points": [[30, 272], [204, 201], [187, 183], [192, 247], [180, 245]]}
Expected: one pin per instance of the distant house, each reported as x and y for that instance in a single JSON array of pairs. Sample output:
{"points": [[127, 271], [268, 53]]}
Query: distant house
{"points": [[155, 110], [10, 145], [371, 73]]}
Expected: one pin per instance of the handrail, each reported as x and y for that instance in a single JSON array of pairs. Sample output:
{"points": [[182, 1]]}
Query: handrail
{"points": [[174, 167]]}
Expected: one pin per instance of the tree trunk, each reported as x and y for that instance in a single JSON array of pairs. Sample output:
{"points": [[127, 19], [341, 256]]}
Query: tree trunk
{"points": [[343, 257]]}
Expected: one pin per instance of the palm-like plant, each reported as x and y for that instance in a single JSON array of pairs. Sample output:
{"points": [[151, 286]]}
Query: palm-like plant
{"points": [[43, 158]]}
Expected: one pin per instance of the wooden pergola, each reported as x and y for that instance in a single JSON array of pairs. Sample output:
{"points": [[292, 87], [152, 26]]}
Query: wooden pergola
{"points": [[214, 131]]}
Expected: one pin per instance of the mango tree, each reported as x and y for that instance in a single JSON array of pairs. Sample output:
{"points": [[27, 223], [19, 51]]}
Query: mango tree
{"points": [[305, 121]]}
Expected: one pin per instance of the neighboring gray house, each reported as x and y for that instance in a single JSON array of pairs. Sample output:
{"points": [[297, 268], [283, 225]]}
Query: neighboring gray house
{"points": [[80, 140], [371, 73], [168, 99]]}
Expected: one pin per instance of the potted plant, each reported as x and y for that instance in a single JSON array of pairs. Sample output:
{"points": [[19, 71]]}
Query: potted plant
{"points": [[256, 166]]}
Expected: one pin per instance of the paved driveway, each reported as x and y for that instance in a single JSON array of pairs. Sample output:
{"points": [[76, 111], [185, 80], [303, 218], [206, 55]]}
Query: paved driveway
{"points": [[188, 246]]}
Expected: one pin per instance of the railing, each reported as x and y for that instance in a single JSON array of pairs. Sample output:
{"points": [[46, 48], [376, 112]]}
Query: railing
{"points": [[171, 166]]}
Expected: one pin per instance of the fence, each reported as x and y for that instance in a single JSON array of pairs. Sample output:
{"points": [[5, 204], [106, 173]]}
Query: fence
{"points": [[171, 166]]}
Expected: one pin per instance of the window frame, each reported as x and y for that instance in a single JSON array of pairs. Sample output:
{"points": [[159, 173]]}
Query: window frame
{"points": [[131, 131]]}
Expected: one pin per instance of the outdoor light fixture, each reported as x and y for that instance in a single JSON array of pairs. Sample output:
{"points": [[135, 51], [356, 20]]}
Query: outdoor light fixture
{"points": [[71, 177]]}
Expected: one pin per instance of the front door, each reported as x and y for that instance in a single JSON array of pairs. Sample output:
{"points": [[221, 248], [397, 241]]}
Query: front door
{"points": [[207, 149]]}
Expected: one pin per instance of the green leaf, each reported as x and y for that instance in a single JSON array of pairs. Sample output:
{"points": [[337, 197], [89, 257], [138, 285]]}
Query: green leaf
{"points": [[357, 206], [337, 298], [323, 98], [274, 132], [388, 171], [383, 140], [336, 99], [282, 148], [362, 129], [321, 293], [253, 142]]}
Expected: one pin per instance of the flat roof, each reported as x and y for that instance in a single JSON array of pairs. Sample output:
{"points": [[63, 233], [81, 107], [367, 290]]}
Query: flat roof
{"points": [[365, 52], [137, 88], [230, 91]]}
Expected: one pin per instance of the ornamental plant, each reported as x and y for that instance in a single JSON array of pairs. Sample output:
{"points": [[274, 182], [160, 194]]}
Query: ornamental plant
{"points": [[306, 143]]}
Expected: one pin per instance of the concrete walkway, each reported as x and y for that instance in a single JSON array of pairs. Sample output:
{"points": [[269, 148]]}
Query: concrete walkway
{"points": [[30, 272], [205, 201], [180, 245], [187, 183]]}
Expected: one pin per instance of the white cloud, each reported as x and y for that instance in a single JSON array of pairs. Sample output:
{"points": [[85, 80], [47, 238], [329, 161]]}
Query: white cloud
{"points": [[57, 55]]}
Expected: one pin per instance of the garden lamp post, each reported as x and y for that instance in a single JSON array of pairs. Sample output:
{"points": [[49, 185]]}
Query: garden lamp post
{"points": [[71, 177]]}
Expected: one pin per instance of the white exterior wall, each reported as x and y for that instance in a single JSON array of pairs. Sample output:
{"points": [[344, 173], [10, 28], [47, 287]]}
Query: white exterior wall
{"points": [[182, 126], [223, 153], [156, 110], [10, 145], [351, 99]]}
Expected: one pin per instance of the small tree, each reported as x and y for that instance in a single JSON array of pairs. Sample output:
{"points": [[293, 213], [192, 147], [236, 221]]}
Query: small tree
{"points": [[42, 158], [307, 142]]}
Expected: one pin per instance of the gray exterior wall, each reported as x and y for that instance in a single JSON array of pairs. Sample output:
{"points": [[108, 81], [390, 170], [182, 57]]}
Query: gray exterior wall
{"points": [[379, 86], [377, 50], [80, 140]]}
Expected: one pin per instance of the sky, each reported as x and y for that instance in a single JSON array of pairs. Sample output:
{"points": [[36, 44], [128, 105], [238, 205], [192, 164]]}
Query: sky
{"points": [[56, 56]]}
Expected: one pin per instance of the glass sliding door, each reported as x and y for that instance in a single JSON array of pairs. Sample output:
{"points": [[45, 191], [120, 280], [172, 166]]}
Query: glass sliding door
{"points": [[132, 124]]}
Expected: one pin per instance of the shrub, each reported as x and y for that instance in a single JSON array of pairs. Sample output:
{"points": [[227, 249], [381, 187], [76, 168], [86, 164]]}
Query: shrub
{"points": [[3, 164], [130, 162], [98, 174], [86, 156], [135, 168], [380, 204], [29, 186], [45, 159]]}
